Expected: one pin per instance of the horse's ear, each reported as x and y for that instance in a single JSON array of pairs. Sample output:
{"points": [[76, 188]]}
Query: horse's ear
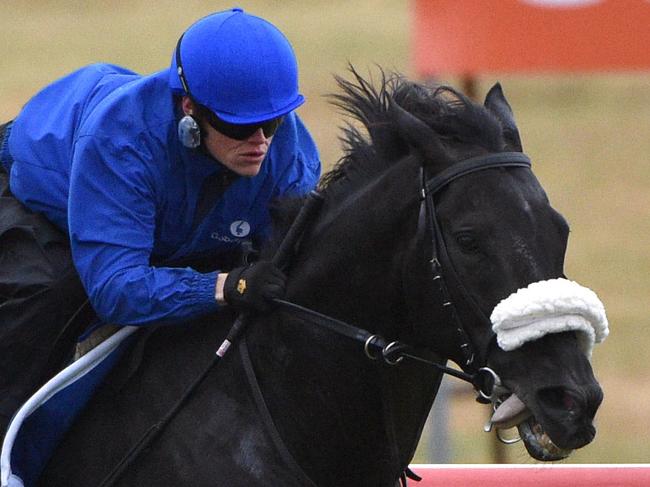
{"points": [[496, 102], [417, 134]]}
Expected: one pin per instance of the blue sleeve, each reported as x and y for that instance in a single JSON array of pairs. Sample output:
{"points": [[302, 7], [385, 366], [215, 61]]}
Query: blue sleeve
{"points": [[112, 215]]}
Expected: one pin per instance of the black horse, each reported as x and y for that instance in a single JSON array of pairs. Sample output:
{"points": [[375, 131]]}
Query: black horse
{"points": [[426, 225]]}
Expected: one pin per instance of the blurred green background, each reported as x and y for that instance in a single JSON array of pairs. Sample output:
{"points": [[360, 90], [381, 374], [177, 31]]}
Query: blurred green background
{"points": [[588, 135]]}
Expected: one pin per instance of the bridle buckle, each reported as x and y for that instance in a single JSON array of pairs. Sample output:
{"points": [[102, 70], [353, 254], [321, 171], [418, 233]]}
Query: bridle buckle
{"points": [[488, 385], [386, 353], [367, 344]]}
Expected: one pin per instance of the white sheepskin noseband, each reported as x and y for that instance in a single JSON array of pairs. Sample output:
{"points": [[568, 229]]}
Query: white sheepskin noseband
{"points": [[551, 306]]}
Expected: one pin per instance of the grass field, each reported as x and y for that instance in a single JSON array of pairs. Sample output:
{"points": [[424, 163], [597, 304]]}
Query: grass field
{"points": [[589, 138]]}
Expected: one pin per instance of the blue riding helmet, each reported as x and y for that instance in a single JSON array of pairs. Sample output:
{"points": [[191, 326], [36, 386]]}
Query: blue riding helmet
{"points": [[239, 66]]}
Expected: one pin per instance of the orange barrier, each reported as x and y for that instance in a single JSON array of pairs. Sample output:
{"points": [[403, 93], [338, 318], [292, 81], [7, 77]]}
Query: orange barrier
{"points": [[468, 37], [629, 475]]}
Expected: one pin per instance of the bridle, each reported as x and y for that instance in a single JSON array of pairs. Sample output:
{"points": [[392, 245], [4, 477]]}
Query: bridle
{"points": [[485, 380], [442, 268]]}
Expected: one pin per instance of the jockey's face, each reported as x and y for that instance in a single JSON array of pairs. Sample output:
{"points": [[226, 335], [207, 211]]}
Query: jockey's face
{"points": [[243, 157]]}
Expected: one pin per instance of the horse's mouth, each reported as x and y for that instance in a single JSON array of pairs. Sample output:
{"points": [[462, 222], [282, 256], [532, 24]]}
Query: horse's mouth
{"points": [[513, 412], [538, 444]]}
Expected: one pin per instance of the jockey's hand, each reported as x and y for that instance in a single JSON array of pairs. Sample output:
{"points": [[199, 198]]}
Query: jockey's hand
{"points": [[252, 287]]}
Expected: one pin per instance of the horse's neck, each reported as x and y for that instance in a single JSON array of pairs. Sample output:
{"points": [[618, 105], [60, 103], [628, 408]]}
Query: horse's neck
{"points": [[348, 421]]}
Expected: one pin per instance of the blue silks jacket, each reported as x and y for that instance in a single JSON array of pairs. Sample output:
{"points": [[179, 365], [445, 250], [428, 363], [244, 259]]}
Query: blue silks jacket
{"points": [[97, 152]]}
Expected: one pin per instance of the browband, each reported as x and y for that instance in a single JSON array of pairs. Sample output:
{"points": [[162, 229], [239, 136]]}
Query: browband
{"points": [[501, 159]]}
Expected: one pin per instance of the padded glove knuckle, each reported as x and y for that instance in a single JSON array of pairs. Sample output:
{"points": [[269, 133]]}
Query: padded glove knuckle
{"points": [[254, 286]]}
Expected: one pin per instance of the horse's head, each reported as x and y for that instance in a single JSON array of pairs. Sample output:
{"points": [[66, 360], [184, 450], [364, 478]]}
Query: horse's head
{"points": [[476, 228]]}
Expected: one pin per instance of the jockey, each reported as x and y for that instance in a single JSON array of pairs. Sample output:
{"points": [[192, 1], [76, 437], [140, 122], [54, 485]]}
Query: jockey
{"points": [[112, 183]]}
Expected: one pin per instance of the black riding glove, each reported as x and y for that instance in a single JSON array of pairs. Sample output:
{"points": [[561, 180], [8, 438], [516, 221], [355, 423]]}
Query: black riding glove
{"points": [[252, 287]]}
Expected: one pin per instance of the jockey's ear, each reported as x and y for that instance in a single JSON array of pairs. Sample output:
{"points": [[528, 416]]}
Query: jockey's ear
{"points": [[496, 102], [188, 105]]}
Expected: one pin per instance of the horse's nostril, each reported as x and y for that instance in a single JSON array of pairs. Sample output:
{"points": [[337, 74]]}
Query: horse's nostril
{"points": [[568, 402], [557, 398]]}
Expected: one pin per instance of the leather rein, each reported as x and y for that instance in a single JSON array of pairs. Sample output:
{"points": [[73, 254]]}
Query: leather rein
{"points": [[375, 347]]}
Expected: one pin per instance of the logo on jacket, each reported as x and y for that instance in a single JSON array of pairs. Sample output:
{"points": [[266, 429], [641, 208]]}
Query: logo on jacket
{"points": [[240, 228]]}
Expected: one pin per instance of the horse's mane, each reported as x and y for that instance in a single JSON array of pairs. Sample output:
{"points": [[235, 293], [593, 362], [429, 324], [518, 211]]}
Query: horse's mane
{"points": [[454, 119]]}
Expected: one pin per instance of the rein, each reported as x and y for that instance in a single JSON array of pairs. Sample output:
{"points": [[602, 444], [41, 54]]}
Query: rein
{"points": [[376, 346], [483, 379]]}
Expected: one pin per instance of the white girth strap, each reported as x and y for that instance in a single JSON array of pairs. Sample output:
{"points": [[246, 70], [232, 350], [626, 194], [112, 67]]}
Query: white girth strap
{"points": [[551, 306]]}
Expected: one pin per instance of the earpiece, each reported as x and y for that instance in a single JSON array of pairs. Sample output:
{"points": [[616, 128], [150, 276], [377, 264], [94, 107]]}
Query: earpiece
{"points": [[189, 132]]}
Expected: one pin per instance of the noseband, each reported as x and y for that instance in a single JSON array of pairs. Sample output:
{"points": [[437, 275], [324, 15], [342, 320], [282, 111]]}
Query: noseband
{"points": [[442, 268]]}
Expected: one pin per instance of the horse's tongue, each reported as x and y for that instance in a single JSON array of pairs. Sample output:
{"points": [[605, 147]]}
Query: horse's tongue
{"points": [[510, 413]]}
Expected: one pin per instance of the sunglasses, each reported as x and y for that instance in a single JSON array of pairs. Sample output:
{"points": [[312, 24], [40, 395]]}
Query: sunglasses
{"points": [[240, 131]]}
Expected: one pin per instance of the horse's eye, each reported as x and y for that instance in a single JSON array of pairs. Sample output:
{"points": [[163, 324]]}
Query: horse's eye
{"points": [[467, 242]]}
